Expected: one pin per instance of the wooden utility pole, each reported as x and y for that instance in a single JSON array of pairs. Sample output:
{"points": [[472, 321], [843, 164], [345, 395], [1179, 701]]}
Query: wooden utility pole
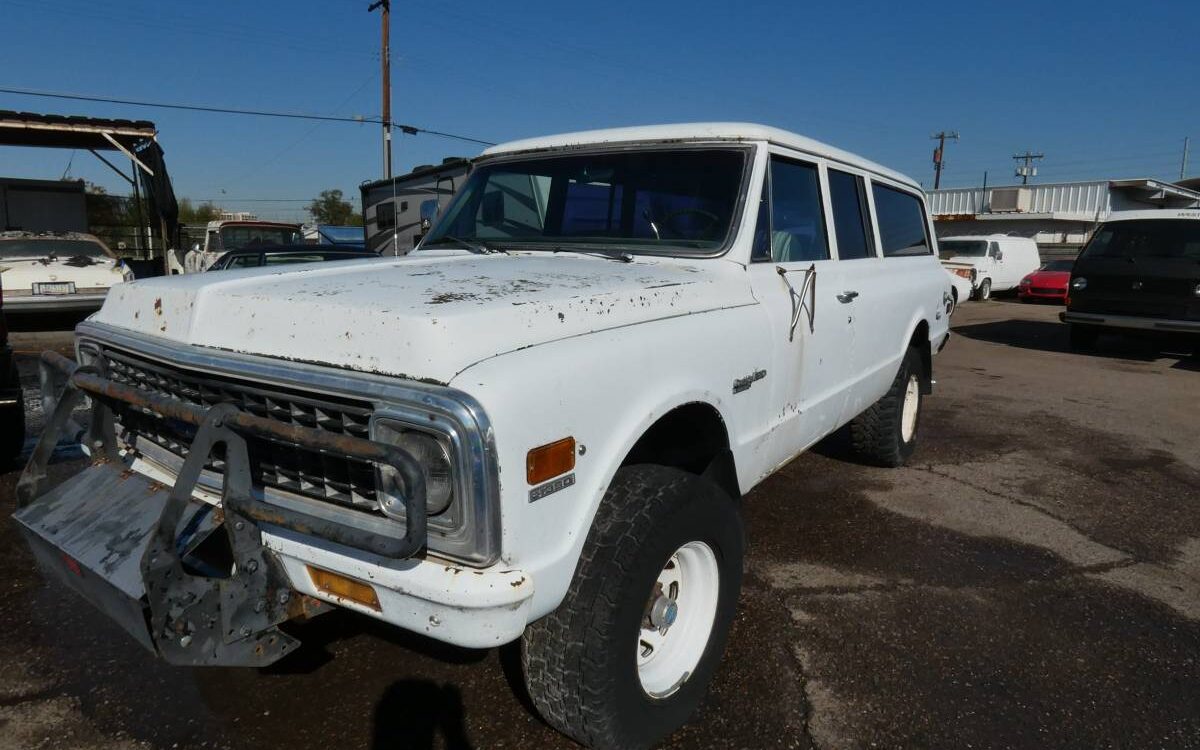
{"points": [[1027, 170], [938, 153], [385, 58]]}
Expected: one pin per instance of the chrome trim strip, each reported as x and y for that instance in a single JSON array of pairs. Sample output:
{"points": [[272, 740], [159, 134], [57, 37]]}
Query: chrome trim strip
{"points": [[482, 546]]}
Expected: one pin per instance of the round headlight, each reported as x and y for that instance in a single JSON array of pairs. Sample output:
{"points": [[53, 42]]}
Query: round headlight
{"points": [[435, 462], [1197, 290], [1079, 283], [431, 452]]}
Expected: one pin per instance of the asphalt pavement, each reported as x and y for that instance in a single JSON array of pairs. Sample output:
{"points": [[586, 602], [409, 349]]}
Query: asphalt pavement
{"points": [[1031, 579]]}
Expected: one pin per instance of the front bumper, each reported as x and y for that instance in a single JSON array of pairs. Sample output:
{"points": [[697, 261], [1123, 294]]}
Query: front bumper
{"points": [[1057, 295], [53, 303], [128, 541], [1131, 321]]}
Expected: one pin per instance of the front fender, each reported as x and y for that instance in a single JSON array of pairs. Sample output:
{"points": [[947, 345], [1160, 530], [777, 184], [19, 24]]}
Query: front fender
{"points": [[605, 390]]}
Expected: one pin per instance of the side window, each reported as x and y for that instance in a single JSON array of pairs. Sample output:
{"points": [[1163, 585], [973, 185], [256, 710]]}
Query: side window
{"points": [[901, 222], [385, 215], [797, 220], [993, 250], [213, 242], [847, 194]]}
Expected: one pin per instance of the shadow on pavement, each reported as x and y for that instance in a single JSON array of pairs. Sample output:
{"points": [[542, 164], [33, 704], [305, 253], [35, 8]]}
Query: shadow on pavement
{"points": [[1049, 336], [415, 713]]}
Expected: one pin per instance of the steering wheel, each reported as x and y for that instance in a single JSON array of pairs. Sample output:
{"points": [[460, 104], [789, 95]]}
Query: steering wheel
{"points": [[713, 220]]}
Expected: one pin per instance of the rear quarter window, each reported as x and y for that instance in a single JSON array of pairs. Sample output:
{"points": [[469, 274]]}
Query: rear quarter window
{"points": [[901, 220]]}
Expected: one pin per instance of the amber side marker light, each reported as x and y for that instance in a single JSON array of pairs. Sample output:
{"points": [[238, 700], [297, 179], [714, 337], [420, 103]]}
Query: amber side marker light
{"points": [[550, 460], [344, 588]]}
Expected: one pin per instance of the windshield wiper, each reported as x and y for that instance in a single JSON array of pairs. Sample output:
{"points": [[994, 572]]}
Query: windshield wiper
{"points": [[621, 255], [476, 247]]}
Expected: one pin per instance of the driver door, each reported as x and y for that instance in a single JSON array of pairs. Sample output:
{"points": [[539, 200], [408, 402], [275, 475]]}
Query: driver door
{"points": [[803, 290]]}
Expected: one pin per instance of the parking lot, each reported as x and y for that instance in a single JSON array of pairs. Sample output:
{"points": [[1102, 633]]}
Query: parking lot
{"points": [[1032, 578]]}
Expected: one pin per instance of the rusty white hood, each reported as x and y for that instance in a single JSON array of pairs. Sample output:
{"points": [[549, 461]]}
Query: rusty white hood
{"points": [[427, 316]]}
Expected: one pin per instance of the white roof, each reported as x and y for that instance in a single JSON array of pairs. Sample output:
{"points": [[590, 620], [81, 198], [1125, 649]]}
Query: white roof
{"points": [[699, 131], [1155, 213]]}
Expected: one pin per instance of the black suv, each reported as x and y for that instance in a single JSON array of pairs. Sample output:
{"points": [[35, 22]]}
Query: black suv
{"points": [[12, 405], [1140, 271]]}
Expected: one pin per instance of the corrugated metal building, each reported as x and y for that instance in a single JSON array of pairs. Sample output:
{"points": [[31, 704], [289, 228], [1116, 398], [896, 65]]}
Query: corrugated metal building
{"points": [[1058, 216]]}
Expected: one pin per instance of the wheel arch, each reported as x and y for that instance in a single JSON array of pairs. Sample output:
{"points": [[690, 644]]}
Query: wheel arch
{"points": [[693, 437], [919, 340]]}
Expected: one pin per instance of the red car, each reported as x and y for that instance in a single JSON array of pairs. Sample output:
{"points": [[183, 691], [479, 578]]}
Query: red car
{"points": [[1047, 283]]}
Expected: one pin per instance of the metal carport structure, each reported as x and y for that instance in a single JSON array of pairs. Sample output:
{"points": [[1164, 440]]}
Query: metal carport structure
{"points": [[137, 140]]}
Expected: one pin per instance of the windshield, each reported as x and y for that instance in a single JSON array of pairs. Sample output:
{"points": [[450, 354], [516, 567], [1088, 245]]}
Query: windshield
{"points": [[60, 248], [1149, 238], [679, 201], [1059, 265], [236, 237], [962, 248]]}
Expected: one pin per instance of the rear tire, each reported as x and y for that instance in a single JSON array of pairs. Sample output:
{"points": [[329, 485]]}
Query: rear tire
{"points": [[12, 433], [586, 665], [1083, 338], [12, 424], [984, 292], [886, 433]]}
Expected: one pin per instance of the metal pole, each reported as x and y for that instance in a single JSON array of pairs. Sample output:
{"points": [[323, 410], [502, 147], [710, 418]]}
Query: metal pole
{"points": [[938, 154], [385, 59], [1183, 165], [137, 203]]}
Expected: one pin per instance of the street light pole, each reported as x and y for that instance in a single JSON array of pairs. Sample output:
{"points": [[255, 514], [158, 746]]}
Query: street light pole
{"points": [[385, 57]]}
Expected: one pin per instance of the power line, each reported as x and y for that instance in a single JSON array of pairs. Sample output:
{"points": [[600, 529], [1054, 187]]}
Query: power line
{"points": [[406, 129]]}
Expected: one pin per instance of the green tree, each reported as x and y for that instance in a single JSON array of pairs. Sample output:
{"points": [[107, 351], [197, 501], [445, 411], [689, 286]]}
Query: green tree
{"points": [[331, 208], [197, 214]]}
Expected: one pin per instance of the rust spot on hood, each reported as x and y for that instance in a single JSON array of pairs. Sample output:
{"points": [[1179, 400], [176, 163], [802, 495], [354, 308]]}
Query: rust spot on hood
{"points": [[158, 306]]}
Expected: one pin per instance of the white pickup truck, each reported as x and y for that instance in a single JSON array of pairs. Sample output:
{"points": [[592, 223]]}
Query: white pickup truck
{"points": [[537, 426]]}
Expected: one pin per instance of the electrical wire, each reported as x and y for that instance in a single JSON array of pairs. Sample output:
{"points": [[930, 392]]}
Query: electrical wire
{"points": [[359, 119]]}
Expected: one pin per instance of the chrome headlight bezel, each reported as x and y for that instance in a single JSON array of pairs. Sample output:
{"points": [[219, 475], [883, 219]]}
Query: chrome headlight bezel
{"points": [[463, 529], [1079, 283]]}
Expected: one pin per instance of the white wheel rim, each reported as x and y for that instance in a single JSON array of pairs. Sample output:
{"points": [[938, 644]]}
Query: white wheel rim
{"points": [[908, 415], [669, 647]]}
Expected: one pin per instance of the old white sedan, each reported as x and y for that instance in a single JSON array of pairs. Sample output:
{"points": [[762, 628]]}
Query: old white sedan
{"points": [[55, 272]]}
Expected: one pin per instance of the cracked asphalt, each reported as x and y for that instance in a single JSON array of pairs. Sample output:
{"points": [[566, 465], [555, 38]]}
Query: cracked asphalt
{"points": [[1032, 579]]}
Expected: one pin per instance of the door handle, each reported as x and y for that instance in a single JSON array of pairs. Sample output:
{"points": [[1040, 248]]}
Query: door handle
{"points": [[847, 296]]}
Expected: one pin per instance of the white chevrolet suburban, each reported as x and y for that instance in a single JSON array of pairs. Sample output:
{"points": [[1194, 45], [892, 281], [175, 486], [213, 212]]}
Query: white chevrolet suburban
{"points": [[537, 426]]}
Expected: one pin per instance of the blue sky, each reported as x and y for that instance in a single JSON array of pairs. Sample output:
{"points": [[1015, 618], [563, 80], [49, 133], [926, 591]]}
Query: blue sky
{"points": [[1103, 89]]}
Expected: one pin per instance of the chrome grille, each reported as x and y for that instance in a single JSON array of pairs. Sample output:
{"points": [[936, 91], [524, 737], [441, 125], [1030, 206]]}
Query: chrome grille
{"points": [[284, 466]]}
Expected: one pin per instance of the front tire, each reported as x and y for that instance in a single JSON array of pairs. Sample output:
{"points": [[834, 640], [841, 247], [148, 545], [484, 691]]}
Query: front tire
{"points": [[886, 433], [984, 292], [628, 655]]}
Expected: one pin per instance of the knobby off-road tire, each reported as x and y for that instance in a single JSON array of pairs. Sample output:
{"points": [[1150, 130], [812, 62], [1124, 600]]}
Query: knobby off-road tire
{"points": [[882, 434], [12, 433], [581, 662]]}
